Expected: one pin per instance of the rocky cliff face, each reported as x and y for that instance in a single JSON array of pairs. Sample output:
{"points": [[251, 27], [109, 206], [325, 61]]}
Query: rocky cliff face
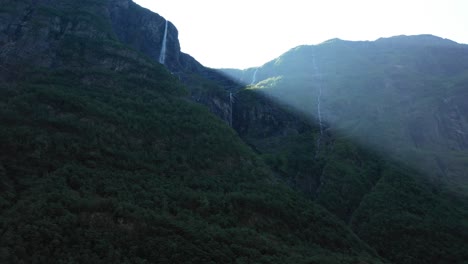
{"points": [[36, 29], [56, 34], [38, 33], [256, 116], [143, 30]]}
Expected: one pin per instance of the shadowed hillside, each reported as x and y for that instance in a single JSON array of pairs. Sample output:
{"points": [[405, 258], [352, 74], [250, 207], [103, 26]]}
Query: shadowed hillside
{"points": [[108, 156], [104, 159]]}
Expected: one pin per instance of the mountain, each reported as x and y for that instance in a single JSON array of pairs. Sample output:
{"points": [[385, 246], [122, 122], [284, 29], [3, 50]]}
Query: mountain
{"points": [[108, 156], [403, 96], [106, 159], [385, 154]]}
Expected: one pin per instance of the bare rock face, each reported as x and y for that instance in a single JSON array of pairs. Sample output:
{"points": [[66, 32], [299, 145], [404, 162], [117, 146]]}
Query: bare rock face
{"points": [[144, 30], [47, 33], [37, 32], [264, 118], [22, 40]]}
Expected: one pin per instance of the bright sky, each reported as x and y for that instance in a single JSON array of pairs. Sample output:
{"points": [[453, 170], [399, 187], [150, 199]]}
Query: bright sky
{"points": [[248, 33]]}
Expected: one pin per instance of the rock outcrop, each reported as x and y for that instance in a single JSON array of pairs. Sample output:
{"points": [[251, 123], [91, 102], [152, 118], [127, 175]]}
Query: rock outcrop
{"points": [[143, 30], [39, 32]]}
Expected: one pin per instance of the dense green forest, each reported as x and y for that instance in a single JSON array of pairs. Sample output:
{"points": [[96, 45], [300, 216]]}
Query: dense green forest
{"points": [[106, 157], [131, 172]]}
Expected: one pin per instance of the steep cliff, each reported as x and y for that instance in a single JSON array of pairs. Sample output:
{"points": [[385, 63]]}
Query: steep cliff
{"points": [[50, 34], [143, 30], [40, 33]]}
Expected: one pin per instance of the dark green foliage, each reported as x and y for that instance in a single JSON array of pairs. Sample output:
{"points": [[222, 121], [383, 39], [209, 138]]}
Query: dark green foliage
{"points": [[104, 159], [405, 216], [123, 169]]}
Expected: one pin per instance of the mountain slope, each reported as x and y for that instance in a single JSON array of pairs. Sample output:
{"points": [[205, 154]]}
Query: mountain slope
{"points": [[402, 95], [104, 159], [363, 164]]}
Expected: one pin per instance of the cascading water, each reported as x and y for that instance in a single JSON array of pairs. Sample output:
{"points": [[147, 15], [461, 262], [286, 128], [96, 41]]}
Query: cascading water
{"points": [[162, 55], [319, 99], [231, 101], [319, 116], [254, 77]]}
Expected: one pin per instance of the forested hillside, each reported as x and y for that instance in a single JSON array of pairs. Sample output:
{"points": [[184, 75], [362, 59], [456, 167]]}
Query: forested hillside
{"points": [[104, 159], [109, 154]]}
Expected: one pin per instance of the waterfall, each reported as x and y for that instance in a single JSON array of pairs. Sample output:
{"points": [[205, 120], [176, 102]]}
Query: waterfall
{"points": [[254, 77], [162, 55], [231, 101], [319, 99]]}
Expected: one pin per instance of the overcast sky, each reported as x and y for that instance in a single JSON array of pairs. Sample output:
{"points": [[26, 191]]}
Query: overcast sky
{"points": [[247, 33]]}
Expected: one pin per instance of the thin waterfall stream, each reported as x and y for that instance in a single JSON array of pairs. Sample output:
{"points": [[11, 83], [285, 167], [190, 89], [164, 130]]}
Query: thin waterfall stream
{"points": [[319, 100], [254, 77], [231, 101], [162, 55]]}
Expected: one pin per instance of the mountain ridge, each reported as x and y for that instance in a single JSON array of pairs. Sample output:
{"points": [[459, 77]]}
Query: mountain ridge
{"points": [[422, 39]]}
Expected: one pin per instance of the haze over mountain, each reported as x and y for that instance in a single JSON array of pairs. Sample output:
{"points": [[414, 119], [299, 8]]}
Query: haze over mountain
{"points": [[401, 98], [404, 96], [116, 147]]}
